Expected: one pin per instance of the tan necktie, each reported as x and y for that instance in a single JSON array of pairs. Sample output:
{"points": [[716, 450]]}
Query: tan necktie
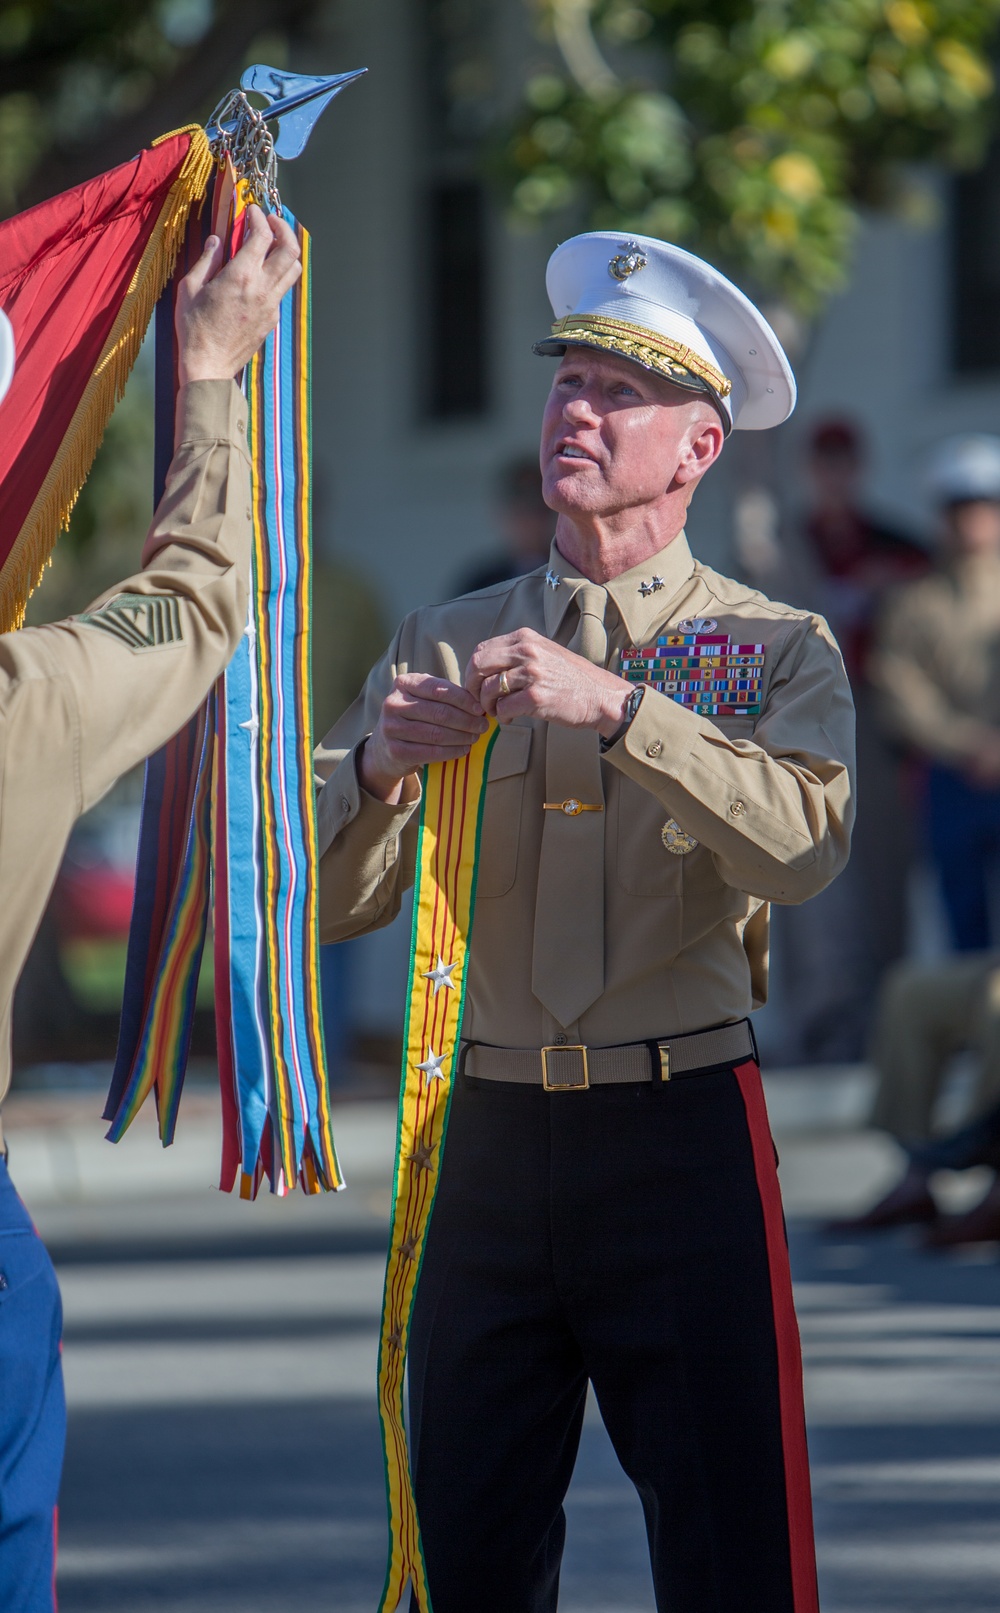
{"points": [[567, 970]]}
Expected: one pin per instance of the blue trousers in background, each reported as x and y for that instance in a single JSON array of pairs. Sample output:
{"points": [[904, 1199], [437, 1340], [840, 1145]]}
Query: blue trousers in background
{"points": [[32, 1410], [963, 832]]}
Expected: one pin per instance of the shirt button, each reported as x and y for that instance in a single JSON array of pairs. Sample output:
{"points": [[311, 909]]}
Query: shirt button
{"points": [[345, 805], [655, 748], [561, 1041], [240, 426], [737, 808], [249, 513]]}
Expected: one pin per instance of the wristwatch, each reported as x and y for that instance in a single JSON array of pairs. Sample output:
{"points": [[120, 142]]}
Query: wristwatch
{"points": [[632, 705]]}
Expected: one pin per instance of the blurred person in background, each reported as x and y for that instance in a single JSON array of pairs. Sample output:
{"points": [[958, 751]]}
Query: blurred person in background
{"points": [[928, 1012], [834, 951], [936, 667], [81, 702], [858, 559], [526, 525]]}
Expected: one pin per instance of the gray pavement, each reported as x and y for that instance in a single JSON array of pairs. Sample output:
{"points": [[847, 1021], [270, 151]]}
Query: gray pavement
{"points": [[224, 1452]]}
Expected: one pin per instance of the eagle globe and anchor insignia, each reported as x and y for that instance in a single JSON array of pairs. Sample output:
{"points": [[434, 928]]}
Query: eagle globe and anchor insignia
{"points": [[627, 261]]}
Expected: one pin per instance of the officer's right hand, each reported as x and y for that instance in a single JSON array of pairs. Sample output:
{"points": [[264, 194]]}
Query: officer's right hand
{"points": [[423, 719], [224, 314]]}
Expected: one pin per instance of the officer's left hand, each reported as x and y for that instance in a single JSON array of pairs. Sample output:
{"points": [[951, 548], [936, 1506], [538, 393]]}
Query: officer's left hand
{"points": [[547, 681]]}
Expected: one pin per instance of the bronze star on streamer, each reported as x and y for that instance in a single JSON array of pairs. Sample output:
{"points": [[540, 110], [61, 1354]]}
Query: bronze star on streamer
{"points": [[422, 1157]]}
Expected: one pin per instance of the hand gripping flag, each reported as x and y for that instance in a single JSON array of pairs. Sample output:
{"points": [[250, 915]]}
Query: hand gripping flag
{"points": [[229, 810], [79, 278]]}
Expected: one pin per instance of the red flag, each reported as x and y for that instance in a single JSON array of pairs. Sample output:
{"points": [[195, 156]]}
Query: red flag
{"points": [[79, 277]]}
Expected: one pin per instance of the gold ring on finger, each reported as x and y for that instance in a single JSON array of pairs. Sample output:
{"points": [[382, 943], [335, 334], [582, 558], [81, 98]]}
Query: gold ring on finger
{"points": [[504, 689]]}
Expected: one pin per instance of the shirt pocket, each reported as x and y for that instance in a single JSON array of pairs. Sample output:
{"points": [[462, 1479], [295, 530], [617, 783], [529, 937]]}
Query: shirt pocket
{"points": [[645, 866], [502, 812]]}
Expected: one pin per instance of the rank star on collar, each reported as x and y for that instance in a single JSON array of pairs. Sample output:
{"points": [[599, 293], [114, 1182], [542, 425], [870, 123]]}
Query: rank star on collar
{"points": [[441, 975], [653, 587]]}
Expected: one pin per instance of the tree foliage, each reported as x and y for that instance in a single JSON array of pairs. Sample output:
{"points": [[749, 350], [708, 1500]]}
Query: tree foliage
{"points": [[750, 130]]}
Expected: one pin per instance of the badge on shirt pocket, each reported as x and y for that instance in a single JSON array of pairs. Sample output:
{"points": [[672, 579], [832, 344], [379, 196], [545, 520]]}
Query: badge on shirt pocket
{"points": [[676, 840]]}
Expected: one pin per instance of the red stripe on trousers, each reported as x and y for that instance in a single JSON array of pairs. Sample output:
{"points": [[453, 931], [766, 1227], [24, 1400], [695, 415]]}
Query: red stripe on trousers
{"points": [[805, 1595]]}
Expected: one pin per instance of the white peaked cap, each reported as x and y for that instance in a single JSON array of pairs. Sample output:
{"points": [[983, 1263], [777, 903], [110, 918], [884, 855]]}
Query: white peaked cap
{"points": [[669, 311], [964, 468], [6, 354]]}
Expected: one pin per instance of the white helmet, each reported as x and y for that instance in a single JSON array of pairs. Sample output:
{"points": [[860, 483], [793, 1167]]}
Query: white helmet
{"points": [[965, 468]]}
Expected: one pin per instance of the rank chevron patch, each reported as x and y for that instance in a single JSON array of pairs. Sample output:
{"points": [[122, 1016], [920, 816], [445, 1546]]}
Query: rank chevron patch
{"points": [[142, 621]]}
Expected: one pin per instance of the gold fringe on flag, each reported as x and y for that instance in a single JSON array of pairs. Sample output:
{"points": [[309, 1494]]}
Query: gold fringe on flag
{"points": [[53, 506]]}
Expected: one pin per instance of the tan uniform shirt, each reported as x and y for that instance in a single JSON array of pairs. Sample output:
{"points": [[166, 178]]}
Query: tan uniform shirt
{"points": [[81, 701], [768, 799], [936, 662]]}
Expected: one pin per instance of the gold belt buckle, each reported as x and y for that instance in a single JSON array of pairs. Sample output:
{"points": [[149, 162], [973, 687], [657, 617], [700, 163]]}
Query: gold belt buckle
{"points": [[565, 1086], [572, 807]]}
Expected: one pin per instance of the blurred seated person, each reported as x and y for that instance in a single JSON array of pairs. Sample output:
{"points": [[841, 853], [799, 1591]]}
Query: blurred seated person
{"points": [[935, 666], [526, 525], [977, 1143], [927, 1013]]}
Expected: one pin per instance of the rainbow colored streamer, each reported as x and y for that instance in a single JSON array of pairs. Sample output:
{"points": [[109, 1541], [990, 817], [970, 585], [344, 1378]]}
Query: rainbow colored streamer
{"points": [[237, 830]]}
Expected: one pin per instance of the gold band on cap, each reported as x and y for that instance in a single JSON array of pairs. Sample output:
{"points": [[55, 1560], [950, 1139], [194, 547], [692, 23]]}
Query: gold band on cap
{"points": [[648, 347]]}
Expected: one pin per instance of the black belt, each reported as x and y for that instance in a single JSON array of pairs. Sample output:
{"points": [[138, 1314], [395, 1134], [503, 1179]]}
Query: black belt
{"points": [[562, 1068]]}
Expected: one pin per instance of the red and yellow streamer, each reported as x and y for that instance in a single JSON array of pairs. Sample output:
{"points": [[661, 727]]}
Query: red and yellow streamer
{"points": [[444, 899]]}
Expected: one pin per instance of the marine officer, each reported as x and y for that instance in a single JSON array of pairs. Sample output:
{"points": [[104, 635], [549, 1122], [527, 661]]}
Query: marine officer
{"points": [[82, 701], [675, 754]]}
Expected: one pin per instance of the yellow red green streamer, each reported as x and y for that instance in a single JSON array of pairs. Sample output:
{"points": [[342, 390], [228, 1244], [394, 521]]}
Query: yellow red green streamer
{"points": [[444, 899]]}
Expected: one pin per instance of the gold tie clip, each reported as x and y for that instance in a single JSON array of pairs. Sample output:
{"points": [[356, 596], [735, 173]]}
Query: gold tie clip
{"points": [[572, 807]]}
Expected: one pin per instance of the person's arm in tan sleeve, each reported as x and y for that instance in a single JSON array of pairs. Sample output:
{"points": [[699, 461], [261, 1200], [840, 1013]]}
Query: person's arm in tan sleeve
{"points": [[776, 810], [915, 709], [367, 847], [137, 663]]}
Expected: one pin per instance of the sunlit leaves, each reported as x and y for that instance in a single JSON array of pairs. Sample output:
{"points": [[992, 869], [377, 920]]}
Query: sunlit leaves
{"points": [[753, 129]]}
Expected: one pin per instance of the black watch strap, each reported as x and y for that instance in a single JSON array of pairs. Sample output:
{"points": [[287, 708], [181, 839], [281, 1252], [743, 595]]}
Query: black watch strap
{"points": [[632, 705]]}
